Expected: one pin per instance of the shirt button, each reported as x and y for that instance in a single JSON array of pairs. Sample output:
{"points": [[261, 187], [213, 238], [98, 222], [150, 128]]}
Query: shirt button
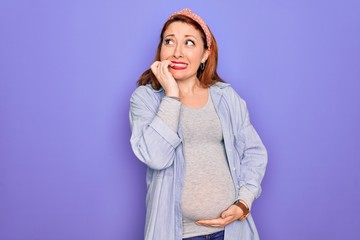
{"points": [[234, 168]]}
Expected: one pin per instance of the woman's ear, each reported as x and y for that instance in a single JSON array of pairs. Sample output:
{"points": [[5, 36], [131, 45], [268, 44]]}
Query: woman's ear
{"points": [[205, 55]]}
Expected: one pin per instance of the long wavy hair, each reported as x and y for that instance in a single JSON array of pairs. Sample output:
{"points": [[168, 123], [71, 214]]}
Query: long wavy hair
{"points": [[207, 77]]}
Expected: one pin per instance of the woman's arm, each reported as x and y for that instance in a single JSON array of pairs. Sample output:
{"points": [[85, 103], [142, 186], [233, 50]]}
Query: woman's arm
{"points": [[153, 140], [253, 159]]}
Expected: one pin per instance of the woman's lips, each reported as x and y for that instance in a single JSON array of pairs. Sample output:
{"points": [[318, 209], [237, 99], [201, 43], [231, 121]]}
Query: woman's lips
{"points": [[178, 65]]}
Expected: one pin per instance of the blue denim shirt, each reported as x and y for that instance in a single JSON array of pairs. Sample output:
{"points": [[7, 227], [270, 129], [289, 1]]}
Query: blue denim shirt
{"points": [[161, 149]]}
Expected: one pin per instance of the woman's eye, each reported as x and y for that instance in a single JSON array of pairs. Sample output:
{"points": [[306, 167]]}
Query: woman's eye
{"points": [[190, 42], [168, 41]]}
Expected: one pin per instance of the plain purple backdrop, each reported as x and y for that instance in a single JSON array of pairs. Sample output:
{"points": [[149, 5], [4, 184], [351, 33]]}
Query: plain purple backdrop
{"points": [[67, 69]]}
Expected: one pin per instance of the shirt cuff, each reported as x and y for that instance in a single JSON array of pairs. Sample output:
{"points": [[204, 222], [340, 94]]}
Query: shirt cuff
{"points": [[246, 196]]}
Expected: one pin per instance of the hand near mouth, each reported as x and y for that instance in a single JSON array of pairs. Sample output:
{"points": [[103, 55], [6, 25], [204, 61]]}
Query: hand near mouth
{"points": [[165, 78]]}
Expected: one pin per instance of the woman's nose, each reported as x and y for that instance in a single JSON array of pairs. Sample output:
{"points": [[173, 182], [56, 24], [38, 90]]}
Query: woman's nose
{"points": [[178, 51]]}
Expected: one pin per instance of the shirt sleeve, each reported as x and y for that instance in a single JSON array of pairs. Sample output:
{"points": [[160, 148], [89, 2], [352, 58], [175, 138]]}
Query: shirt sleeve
{"points": [[254, 159], [153, 140], [252, 153], [246, 196]]}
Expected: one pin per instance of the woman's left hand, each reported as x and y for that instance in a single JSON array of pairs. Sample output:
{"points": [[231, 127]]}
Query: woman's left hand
{"points": [[230, 215]]}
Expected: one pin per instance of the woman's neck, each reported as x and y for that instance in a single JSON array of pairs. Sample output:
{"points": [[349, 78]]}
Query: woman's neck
{"points": [[193, 94], [189, 88]]}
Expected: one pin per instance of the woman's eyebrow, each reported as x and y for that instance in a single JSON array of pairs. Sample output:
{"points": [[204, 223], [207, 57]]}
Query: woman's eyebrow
{"points": [[170, 35], [173, 35]]}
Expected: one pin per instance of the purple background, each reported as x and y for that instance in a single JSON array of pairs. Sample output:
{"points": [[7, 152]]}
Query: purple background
{"points": [[67, 71]]}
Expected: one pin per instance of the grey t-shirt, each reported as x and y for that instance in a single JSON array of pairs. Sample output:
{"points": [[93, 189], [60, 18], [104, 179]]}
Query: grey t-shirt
{"points": [[208, 188]]}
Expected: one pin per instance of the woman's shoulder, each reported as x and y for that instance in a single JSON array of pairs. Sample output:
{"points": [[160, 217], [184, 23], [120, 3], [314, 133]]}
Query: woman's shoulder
{"points": [[146, 90], [146, 93], [227, 90], [234, 102], [222, 85]]}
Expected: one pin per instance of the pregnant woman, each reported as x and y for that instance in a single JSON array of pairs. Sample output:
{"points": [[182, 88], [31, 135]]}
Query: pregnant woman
{"points": [[205, 161]]}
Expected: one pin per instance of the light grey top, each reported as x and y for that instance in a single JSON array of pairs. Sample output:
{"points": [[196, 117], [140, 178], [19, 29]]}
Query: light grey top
{"points": [[208, 188]]}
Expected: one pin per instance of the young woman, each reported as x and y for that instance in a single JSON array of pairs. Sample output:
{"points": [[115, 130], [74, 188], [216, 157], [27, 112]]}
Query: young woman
{"points": [[205, 160]]}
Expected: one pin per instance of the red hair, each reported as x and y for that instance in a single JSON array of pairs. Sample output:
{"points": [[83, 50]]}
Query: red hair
{"points": [[207, 77]]}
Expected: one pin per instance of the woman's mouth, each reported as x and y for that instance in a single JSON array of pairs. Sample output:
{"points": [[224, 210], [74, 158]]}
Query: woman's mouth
{"points": [[178, 65]]}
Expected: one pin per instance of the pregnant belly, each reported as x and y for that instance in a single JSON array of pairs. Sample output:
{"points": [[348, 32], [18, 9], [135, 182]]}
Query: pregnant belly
{"points": [[207, 199]]}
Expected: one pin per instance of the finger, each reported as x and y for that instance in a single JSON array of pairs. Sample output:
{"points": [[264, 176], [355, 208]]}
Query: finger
{"points": [[210, 225], [218, 222], [229, 219], [164, 67], [154, 67], [211, 222], [167, 63]]}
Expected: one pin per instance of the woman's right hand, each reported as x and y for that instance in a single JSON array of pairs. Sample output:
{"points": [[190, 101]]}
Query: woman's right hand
{"points": [[165, 78]]}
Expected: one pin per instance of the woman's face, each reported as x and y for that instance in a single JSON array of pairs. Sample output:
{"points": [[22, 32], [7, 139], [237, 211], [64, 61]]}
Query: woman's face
{"points": [[184, 47]]}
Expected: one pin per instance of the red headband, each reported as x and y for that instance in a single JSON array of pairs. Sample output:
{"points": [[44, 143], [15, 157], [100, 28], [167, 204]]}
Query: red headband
{"points": [[187, 12]]}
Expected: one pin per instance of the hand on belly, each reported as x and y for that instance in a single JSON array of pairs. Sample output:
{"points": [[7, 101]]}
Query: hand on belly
{"points": [[206, 201]]}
